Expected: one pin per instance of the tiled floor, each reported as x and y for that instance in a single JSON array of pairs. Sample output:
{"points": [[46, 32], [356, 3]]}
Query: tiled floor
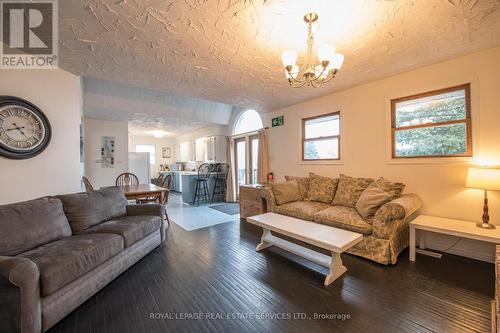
{"points": [[195, 217]]}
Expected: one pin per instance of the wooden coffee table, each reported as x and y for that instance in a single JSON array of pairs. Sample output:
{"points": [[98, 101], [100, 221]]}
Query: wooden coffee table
{"points": [[329, 238]]}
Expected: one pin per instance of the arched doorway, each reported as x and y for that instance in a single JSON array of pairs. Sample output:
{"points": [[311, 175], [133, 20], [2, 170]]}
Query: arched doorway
{"points": [[246, 147]]}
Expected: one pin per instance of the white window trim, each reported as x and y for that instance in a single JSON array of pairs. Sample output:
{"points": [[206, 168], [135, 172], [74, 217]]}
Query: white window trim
{"points": [[435, 160], [340, 161]]}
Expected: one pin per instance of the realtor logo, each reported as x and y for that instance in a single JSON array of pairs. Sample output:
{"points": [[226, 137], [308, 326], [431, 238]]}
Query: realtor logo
{"points": [[29, 34]]}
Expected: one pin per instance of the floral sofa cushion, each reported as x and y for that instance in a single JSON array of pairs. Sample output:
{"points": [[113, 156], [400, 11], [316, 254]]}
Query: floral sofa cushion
{"points": [[303, 183], [321, 189], [304, 210], [395, 189], [349, 190], [286, 192], [376, 194], [345, 218]]}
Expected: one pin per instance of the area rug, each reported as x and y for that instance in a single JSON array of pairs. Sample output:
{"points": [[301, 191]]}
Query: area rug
{"points": [[232, 208]]}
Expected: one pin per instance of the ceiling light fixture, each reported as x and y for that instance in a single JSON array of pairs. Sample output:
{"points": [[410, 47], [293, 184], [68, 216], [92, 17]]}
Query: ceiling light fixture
{"points": [[158, 133], [311, 73]]}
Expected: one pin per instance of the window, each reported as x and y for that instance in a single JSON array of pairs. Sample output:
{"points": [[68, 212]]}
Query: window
{"points": [[321, 137], [433, 124], [248, 121], [151, 149]]}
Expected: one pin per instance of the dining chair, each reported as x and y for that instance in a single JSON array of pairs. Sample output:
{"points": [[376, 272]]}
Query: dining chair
{"points": [[88, 185], [167, 182], [127, 178]]}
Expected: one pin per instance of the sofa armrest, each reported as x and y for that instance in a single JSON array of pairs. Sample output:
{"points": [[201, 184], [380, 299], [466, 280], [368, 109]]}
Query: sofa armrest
{"points": [[396, 212], [268, 195], [20, 305], [146, 210], [149, 210]]}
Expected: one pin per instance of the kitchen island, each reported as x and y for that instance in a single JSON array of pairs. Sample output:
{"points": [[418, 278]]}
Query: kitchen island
{"points": [[184, 182]]}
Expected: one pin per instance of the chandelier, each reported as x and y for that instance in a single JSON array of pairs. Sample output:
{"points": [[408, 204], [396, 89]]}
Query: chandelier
{"points": [[312, 73]]}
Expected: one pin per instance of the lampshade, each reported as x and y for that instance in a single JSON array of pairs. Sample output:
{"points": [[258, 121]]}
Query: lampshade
{"points": [[338, 60], [326, 52], [483, 178], [289, 58]]}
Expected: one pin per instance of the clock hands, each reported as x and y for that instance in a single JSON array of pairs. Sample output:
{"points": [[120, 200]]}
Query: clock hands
{"points": [[19, 129], [14, 129]]}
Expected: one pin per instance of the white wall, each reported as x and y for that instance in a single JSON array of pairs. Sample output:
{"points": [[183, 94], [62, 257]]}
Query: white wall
{"points": [[159, 143], [56, 170], [366, 144], [203, 132], [95, 130]]}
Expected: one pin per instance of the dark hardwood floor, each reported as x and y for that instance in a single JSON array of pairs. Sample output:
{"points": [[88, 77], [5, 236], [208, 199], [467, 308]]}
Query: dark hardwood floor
{"points": [[217, 271]]}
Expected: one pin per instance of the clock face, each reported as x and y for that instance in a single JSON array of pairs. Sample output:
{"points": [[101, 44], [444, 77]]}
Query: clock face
{"points": [[24, 129], [20, 129]]}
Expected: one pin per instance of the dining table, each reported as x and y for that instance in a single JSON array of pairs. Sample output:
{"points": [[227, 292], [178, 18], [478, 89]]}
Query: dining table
{"points": [[142, 191]]}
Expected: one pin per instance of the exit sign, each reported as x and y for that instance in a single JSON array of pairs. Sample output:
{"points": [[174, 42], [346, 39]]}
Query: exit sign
{"points": [[278, 121]]}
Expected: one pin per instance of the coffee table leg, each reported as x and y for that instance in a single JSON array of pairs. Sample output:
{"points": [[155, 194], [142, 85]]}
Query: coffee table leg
{"points": [[263, 244], [336, 268]]}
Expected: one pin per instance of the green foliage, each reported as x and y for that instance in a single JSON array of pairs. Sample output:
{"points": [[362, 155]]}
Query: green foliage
{"points": [[429, 141], [310, 151], [438, 111]]}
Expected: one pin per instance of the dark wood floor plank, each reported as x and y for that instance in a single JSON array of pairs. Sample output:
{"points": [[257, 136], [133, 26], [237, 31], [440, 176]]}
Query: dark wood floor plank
{"points": [[216, 270]]}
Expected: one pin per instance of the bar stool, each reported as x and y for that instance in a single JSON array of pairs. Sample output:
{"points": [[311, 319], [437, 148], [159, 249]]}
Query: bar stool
{"points": [[220, 185], [201, 190]]}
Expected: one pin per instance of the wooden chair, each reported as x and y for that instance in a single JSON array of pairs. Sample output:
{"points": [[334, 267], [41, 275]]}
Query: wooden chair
{"points": [[88, 185], [220, 184], [167, 182], [201, 190], [127, 178]]}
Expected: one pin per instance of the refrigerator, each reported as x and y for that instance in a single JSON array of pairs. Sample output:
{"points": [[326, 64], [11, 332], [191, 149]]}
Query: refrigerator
{"points": [[138, 164]]}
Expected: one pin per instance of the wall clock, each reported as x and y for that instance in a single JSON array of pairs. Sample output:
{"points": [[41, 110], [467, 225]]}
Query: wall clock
{"points": [[24, 129]]}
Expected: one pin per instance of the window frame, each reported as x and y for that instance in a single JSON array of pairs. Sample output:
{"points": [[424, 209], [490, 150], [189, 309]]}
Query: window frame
{"points": [[338, 137], [467, 121], [150, 155]]}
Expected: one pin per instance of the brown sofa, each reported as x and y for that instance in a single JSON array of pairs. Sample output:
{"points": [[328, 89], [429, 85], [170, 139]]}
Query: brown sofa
{"points": [[385, 234], [56, 252]]}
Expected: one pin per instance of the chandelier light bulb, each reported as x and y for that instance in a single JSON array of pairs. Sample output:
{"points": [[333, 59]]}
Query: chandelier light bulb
{"points": [[289, 58], [337, 61], [326, 52]]}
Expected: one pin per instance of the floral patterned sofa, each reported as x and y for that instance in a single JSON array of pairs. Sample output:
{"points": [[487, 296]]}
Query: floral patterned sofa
{"points": [[375, 208]]}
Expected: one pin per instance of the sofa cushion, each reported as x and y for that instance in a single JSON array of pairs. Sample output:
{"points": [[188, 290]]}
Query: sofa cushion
{"points": [[395, 189], [26, 225], [321, 189], [303, 183], [349, 190], [304, 210], [286, 192], [372, 199], [345, 218], [85, 210], [65, 260], [131, 228]]}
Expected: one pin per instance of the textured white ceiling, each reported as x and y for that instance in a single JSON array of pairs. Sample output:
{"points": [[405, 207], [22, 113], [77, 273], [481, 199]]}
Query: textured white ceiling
{"points": [[229, 50], [148, 109]]}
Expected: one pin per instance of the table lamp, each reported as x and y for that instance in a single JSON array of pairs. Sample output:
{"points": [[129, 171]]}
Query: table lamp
{"points": [[484, 179]]}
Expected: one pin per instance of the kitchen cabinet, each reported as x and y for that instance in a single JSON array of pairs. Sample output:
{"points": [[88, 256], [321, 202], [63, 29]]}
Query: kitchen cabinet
{"points": [[216, 148], [186, 151], [200, 147]]}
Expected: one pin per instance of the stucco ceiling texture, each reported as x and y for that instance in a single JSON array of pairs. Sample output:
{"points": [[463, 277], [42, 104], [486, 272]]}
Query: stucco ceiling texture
{"points": [[229, 51]]}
